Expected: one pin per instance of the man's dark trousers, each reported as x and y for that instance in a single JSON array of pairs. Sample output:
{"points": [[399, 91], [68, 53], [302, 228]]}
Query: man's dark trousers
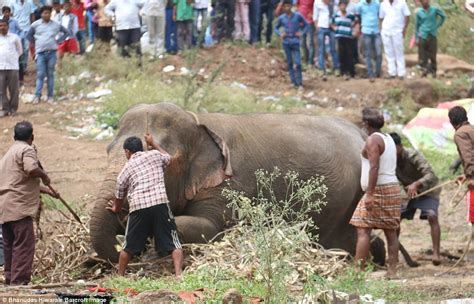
{"points": [[266, 10], [171, 36], [293, 58], [225, 12], [19, 250], [427, 51], [345, 48], [9, 82], [254, 20]]}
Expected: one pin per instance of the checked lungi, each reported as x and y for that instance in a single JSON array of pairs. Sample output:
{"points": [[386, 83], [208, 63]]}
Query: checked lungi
{"points": [[384, 212]]}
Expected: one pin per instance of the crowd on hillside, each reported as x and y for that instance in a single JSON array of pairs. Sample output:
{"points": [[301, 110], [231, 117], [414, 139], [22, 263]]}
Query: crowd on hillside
{"points": [[45, 30]]}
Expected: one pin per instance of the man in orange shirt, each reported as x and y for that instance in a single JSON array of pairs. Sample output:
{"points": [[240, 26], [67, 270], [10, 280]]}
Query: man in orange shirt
{"points": [[20, 175]]}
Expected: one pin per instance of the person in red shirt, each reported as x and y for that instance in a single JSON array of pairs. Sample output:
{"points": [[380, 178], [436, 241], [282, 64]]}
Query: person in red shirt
{"points": [[78, 9], [305, 7]]}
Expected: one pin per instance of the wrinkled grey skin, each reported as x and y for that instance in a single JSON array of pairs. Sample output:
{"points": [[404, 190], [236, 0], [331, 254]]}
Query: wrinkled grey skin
{"points": [[209, 148]]}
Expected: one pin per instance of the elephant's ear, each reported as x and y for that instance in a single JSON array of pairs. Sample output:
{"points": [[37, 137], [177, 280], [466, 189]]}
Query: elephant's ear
{"points": [[209, 164]]}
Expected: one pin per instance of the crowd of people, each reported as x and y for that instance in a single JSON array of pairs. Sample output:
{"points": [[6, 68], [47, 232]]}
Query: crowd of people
{"points": [[48, 29]]}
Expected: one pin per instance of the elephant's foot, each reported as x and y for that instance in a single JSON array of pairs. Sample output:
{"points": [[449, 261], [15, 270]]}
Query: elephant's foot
{"points": [[377, 250]]}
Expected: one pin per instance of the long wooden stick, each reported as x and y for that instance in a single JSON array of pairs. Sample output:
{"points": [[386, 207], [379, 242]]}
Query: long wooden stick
{"points": [[146, 122], [74, 214], [429, 190], [434, 188], [451, 202]]}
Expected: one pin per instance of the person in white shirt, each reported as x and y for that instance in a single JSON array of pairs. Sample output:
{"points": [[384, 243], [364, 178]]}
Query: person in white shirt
{"points": [[154, 11], [323, 12], [200, 9], [10, 52], [127, 24], [395, 17]]}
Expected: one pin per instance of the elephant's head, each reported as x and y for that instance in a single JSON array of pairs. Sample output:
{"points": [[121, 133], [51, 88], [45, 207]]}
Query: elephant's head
{"points": [[200, 160]]}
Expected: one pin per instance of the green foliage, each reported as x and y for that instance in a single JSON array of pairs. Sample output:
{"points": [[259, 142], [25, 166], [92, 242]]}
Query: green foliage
{"points": [[215, 283], [278, 226], [52, 203], [452, 89], [440, 163], [400, 105]]}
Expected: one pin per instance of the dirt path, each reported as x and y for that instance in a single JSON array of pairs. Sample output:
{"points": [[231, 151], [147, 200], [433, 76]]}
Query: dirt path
{"points": [[76, 166]]}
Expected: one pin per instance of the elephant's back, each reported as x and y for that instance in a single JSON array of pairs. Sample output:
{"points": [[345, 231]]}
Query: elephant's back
{"points": [[271, 136], [310, 145]]}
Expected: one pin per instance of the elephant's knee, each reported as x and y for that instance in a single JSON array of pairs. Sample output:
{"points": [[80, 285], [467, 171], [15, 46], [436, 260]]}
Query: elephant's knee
{"points": [[196, 229]]}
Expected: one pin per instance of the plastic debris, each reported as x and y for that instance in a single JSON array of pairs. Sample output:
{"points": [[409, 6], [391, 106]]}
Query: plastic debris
{"points": [[238, 85], [100, 93], [169, 68]]}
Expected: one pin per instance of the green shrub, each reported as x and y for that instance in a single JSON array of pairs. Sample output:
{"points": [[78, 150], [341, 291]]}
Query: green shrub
{"points": [[277, 227]]}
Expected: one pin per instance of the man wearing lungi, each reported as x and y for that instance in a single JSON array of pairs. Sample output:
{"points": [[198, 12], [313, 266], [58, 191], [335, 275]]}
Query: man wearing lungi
{"points": [[380, 206], [464, 139]]}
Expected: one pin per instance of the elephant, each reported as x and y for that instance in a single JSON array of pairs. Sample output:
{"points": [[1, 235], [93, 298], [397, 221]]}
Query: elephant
{"points": [[209, 148]]}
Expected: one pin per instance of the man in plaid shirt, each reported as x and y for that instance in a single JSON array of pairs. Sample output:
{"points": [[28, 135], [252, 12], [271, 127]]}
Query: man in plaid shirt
{"points": [[142, 182]]}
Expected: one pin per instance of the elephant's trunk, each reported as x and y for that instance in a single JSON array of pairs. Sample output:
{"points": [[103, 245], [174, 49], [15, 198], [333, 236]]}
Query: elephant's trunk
{"points": [[105, 225]]}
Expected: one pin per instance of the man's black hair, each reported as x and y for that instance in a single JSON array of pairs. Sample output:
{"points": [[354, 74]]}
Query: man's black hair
{"points": [[23, 131], [457, 116], [373, 117], [287, 2], [396, 138], [46, 8], [133, 144], [3, 21], [6, 8]]}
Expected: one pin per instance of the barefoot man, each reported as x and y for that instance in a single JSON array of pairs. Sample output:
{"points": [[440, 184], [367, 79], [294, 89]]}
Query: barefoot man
{"points": [[416, 174], [142, 181], [380, 207]]}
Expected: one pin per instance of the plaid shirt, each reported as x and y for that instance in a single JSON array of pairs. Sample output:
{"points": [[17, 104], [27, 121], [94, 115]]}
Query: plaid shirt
{"points": [[142, 179]]}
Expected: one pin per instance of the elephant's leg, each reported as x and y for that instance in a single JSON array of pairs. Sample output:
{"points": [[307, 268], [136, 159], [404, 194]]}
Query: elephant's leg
{"points": [[202, 220], [105, 225]]}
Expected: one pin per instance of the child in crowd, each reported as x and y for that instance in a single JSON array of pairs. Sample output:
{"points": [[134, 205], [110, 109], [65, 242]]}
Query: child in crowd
{"points": [[69, 21], [343, 24], [295, 26]]}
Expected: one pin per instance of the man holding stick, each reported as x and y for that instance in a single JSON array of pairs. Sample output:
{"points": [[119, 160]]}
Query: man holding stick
{"points": [[142, 182], [464, 139], [417, 176], [20, 174]]}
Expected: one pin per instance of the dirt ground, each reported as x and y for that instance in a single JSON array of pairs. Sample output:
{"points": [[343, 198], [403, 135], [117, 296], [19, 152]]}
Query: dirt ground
{"points": [[76, 166]]}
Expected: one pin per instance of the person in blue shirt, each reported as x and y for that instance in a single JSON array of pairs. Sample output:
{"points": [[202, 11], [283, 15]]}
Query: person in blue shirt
{"points": [[368, 12], [13, 26], [294, 26]]}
